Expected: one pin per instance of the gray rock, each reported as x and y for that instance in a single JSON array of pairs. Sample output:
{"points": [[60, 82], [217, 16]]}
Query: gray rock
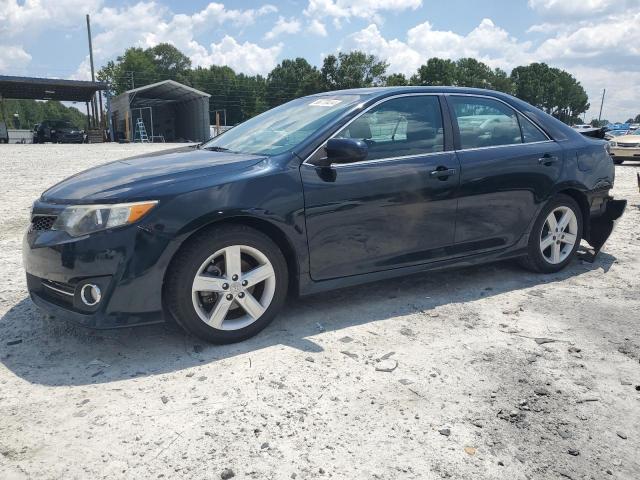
{"points": [[388, 365], [227, 473], [444, 431], [541, 391], [164, 399], [310, 359], [621, 435], [349, 354], [346, 339], [574, 452]]}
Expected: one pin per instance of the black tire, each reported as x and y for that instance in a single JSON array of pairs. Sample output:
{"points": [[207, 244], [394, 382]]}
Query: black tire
{"points": [[618, 161], [535, 260], [184, 267]]}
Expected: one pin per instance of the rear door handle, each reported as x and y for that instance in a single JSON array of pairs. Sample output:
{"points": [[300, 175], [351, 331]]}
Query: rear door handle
{"points": [[547, 160], [442, 173]]}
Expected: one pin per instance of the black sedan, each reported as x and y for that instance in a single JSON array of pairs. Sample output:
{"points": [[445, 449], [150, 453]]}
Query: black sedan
{"points": [[323, 192]]}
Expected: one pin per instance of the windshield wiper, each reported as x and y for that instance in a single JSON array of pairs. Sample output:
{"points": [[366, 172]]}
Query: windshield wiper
{"points": [[216, 149]]}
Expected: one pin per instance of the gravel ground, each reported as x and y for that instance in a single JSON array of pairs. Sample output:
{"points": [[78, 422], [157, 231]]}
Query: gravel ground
{"points": [[486, 372]]}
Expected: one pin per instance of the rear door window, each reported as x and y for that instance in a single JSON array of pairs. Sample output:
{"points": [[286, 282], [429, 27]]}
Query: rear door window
{"points": [[484, 122]]}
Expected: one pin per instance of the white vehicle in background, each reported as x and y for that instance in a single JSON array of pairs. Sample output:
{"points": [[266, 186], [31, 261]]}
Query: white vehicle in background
{"points": [[625, 147], [611, 134]]}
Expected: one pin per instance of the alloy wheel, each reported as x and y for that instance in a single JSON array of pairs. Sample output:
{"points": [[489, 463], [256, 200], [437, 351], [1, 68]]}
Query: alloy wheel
{"points": [[233, 287], [559, 235]]}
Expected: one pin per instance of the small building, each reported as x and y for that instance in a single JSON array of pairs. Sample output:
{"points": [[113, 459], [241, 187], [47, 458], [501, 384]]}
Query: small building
{"points": [[166, 111]]}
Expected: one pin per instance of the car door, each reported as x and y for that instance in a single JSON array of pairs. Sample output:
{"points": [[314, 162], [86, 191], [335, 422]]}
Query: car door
{"points": [[508, 167], [393, 209]]}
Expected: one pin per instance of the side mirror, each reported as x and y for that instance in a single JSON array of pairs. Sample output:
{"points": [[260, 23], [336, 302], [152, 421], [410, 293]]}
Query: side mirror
{"points": [[344, 150]]}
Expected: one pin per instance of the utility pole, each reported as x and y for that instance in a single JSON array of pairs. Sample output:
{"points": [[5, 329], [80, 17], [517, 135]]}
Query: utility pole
{"points": [[601, 104], [94, 107]]}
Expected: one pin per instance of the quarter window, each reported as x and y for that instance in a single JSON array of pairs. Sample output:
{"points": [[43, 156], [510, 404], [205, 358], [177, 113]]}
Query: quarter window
{"points": [[484, 122], [405, 126], [530, 133]]}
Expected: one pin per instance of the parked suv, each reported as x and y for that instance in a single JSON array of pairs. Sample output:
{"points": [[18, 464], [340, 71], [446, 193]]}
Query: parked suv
{"points": [[323, 192], [57, 131]]}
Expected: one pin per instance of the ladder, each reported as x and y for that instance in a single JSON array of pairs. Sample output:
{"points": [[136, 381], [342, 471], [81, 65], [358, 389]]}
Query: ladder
{"points": [[140, 132]]}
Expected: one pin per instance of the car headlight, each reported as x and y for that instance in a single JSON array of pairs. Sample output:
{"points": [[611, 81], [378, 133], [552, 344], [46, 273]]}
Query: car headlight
{"points": [[613, 144], [78, 220]]}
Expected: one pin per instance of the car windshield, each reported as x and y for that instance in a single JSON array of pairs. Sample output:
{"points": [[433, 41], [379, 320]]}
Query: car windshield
{"points": [[283, 128]]}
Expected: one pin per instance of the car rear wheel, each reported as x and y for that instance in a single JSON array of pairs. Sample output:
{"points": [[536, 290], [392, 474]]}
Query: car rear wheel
{"points": [[555, 236], [226, 284]]}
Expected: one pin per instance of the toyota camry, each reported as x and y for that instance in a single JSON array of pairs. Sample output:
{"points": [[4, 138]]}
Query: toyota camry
{"points": [[323, 192]]}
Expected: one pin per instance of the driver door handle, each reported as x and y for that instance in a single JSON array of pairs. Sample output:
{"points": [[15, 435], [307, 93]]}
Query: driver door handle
{"points": [[442, 173], [547, 160]]}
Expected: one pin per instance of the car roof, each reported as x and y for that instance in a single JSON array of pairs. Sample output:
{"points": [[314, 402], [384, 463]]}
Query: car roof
{"points": [[384, 91]]}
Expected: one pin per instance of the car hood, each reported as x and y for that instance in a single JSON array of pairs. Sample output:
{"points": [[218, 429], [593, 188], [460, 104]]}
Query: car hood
{"points": [[128, 179], [626, 139]]}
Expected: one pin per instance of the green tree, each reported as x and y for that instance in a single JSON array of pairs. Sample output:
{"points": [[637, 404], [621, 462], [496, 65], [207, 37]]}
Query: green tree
{"points": [[138, 67], [396, 80], [637, 119], [501, 82], [169, 61], [598, 123], [551, 89], [436, 72], [352, 70], [31, 112], [292, 79], [472, 73]]}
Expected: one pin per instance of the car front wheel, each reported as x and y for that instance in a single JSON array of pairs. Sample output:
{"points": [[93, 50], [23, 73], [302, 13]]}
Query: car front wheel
{"points": [[555, 236], [226, 284]]}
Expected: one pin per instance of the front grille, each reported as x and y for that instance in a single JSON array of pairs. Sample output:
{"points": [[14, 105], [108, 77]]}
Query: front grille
{"points": [[42, 222], [629, 145]]}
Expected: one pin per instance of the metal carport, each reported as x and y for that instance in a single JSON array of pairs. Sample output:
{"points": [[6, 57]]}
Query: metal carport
{"points": [[170, 111]]}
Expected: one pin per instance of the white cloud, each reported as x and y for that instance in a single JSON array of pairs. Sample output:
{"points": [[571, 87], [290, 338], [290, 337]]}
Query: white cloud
{"points": [[487, 42], [605, 41], [579, 8], [243, 57], [621, 99], [368, 9], [316, 27], [147, 23], [13, 59], [401, 57], [283, 26], [32, 16], [597, 53]]}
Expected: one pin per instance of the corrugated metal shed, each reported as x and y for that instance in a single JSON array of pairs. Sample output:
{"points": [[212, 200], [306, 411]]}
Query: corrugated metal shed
{"points": [[169, 110]]}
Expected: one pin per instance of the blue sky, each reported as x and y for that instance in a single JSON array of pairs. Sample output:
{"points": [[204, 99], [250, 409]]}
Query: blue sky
{"points": [[596, 40]]}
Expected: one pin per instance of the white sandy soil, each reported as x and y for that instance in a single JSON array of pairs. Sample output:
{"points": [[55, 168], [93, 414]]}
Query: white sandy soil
{"points": [[468, 392]]}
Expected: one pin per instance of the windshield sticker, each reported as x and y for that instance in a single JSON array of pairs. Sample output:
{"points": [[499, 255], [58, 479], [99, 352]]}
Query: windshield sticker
{"points": [[324, 103]]}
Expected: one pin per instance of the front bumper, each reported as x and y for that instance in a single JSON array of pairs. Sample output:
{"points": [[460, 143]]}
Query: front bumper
{"points": [[625, 152], [128, 265]]}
